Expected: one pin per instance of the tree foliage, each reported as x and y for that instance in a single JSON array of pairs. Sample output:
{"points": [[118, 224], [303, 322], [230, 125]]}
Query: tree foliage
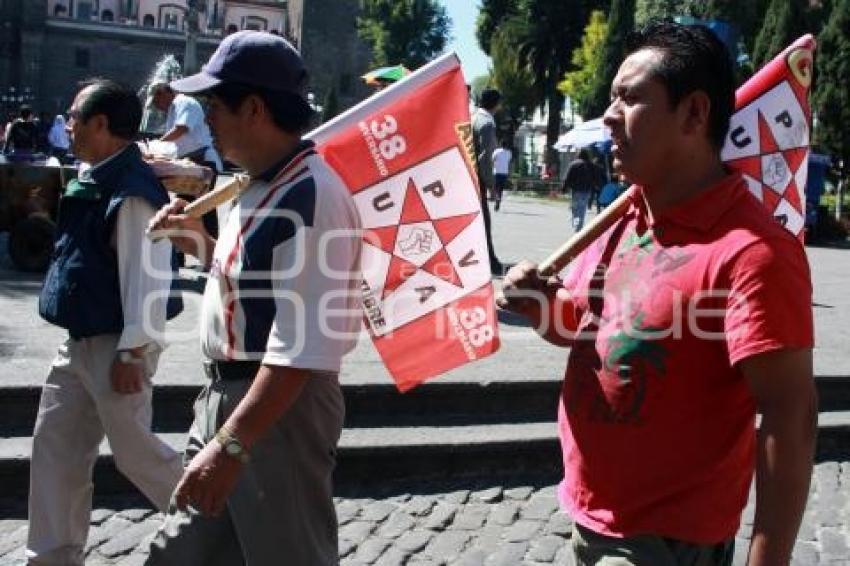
{"points": [[410, 32], [621, 21], [512, 79], [553, 30], [831, 99], [783, 22], [646, 10], [331, 106], [490, 15], [587, 60]]}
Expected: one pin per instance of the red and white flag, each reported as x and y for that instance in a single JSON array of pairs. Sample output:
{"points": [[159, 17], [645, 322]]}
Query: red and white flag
{"points": [[406, 156], [768, 138]]}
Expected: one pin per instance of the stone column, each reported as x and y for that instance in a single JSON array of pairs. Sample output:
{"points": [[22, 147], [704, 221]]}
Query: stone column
{"points": [[190, 55]]}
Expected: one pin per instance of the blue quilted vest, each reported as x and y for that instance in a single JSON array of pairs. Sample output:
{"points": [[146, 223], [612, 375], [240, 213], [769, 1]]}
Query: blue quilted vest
{"points": [[81, 291]]}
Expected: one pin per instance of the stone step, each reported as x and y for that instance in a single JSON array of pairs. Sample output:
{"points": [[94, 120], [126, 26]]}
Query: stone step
{"points": [[367, 456], [367, 405], [447, 402], [377, 456]]}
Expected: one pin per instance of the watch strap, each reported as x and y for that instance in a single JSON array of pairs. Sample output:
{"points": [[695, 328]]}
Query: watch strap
{"points": [[233, 447], [128, 357]]}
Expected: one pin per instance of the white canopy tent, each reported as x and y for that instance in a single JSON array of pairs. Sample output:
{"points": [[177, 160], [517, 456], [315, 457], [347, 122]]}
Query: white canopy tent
{"points": [[585, 134]]}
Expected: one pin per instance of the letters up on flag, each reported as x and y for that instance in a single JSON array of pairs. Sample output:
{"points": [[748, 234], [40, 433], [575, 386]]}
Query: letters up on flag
{"points": [[768, 139], [406, 156]]}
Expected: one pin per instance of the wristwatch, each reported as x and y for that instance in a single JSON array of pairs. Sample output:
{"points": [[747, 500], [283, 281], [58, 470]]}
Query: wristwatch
{"points": [[128, 357], [233, 447]]}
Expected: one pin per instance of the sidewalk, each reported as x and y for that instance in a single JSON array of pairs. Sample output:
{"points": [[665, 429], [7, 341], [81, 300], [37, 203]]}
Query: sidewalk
{"points": [[456, 523]]}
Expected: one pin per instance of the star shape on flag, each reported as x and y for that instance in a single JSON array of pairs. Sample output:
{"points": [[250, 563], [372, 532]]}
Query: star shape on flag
{"points": [[418, 242], [774, 168]]}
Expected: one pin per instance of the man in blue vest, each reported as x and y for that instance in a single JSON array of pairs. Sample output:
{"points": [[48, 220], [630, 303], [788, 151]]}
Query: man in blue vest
{"points": [[108, 286]]}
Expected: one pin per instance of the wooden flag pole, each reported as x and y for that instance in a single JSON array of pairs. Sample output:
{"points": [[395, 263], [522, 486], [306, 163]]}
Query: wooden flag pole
{"points": [[210, 201], [581, 240]]}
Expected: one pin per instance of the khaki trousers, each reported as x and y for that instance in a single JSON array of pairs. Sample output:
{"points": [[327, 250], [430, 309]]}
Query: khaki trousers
{"points": [[78, 407], [593, 549]]}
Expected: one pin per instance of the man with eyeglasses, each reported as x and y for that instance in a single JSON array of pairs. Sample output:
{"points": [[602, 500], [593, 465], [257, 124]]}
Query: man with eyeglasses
{"points": [[108, 286]]}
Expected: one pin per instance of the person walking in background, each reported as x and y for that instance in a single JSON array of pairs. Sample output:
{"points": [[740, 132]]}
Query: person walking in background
{"points": [[21, 135], [501, 169], [611, 190], [582, 180], [42, 126], [108, 286], [689, 316], [485, 143], [58, 138], [185, 126]]}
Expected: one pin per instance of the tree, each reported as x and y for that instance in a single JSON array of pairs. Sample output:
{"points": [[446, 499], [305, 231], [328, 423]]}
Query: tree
{"points": [[621, 21], [831, 99], [646, 10], [553, 29], [732, 11], [783, 23], [512, 79], [587, 60], [410, 32], [490, 16], [331, 105]]}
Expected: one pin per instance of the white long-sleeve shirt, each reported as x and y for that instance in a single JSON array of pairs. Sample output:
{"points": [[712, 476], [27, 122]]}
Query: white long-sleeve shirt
{"points": [[144, 274]]}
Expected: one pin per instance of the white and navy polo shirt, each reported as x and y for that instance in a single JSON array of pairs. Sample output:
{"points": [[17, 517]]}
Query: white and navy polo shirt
{"points": [[284, 285]]}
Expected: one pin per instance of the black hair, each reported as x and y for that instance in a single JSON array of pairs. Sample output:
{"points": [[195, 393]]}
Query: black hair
{"points": [[25, 111], [584, 154], [490, 98], [161, 87], [290, 112], [119, 104], [693, 59]]}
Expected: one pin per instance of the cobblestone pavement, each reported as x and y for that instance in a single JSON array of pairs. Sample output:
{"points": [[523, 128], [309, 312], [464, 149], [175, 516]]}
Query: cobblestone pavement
{"points": [[465, 524]]}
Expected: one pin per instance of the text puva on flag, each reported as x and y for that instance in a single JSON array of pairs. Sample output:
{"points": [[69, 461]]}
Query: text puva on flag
{"points": [[406, 156], [768, 139]]}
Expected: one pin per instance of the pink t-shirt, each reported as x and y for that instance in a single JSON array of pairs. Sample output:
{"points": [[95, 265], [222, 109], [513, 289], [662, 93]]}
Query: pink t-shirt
{"points": [[657, 423]]}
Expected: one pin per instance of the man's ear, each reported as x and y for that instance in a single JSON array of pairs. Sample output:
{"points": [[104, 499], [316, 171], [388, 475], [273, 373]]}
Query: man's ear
{"points": [[100, 123], [696, 111], [254, 106]]}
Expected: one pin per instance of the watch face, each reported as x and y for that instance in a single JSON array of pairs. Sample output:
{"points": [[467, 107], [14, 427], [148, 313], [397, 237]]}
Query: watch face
{"points": [[233, 449]]}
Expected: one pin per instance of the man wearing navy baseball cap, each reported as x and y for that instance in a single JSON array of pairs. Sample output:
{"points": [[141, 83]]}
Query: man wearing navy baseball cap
{"points": [[279, 312]]}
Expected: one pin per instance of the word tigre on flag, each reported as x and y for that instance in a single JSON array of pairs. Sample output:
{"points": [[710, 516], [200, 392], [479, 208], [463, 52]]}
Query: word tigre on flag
{"points": [[768, 139], [406, 156]]}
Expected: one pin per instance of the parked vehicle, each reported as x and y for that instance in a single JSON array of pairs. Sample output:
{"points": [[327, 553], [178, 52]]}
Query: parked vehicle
{"points": [[29, 199]]}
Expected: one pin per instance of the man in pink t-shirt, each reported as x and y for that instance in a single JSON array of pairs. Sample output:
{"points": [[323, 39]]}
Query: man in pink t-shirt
{"points": [[686, 317]]}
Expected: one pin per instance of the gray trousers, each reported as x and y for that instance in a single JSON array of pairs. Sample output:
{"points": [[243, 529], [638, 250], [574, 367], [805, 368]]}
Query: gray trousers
{"points": [[78, 407], [593, 549], [281, 511]]}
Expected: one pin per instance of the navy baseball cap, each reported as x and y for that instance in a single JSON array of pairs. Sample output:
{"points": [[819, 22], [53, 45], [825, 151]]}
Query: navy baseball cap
{"points": [[253, 58]]}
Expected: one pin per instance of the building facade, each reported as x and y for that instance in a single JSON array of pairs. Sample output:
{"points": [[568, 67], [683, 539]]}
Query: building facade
{"points": [[48, 46]]}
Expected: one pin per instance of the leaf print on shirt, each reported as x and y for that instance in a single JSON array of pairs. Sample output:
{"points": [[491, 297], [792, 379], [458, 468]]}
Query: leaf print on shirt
{"points": [[635, 356], [667, 260]]}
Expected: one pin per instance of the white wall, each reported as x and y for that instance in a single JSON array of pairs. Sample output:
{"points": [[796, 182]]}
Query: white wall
{"points": [[241, 16]]}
